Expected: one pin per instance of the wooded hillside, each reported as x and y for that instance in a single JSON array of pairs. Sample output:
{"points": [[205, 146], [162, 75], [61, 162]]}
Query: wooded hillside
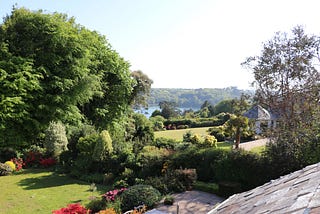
{"points": [[194, 98]]}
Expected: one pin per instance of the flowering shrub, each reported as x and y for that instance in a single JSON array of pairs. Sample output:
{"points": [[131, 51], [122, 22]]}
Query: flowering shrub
{"points": [[32, 158], [11, 165], [111, 195], [5, 169], [18, 162], [47, 162], [72, 209]]}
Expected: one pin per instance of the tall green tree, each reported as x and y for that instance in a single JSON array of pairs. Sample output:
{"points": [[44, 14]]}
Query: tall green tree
{"points": [[287, 80], [55, 69], [141, 89], [169, 109]]}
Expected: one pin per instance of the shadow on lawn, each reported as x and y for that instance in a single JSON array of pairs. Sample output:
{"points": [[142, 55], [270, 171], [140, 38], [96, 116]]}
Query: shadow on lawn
{"points": [[45, 181], [52, 180]]}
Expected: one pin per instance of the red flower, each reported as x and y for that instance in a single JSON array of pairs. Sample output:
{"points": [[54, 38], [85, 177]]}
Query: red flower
{"points": [[18, 162], [111, 195], [47, 162], [72, 209]]}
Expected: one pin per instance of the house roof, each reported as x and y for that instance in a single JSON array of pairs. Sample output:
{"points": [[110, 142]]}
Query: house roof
{"points": [[258, 113], [298, 192]]}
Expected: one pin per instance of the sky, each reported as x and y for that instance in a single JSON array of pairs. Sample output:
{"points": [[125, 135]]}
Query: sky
{"points": [[186, 43]]}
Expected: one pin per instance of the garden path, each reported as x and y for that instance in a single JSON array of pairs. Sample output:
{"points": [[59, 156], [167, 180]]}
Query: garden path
{"points": [[255, 143], [189, 202]]}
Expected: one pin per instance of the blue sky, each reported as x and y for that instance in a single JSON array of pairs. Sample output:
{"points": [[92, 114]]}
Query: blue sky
{"points": [[186, 43]]}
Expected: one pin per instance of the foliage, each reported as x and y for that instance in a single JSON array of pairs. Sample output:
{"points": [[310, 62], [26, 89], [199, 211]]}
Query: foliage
{"points": [[237, 126], [196, 139], [19, 163], [102, 147], [160, 183], [139, 131], [224, 106], [87, 144], [55, 139], [206, 187], [169, 109], [96, 204], [246, 168], [7, 153], [164, 143], [187, 137], [193, 98], [32, 158], [210, 141], [187, 177], [168, 200], [47, 162], [72, 208], [287, 81], [218, 132], [138, 195], [150, 160], [11, 165], [5, 169], [141, 89], [176, 123], [63, 72], [157, 122], [112, 194]]}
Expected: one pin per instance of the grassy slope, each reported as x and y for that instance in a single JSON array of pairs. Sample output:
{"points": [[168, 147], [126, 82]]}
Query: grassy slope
{"points": [[41, 191]]}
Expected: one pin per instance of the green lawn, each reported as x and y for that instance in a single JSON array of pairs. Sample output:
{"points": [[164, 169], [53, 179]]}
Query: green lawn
{"points": [[41, 191], [178, 134]]}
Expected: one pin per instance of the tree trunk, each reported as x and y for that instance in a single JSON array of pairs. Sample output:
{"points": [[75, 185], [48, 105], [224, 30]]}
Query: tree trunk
{"points": [[237, 138]]}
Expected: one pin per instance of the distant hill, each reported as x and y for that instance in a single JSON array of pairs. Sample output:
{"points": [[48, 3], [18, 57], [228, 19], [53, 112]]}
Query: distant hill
{"points": [[194, 98]]}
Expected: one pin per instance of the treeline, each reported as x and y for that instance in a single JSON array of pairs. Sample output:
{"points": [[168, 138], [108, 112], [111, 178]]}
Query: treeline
{"points": [[194, 98]]}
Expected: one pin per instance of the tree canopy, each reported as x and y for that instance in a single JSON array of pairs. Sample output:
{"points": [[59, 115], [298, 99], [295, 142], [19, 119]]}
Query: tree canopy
{"points": [[287, 78], [55, 69]]}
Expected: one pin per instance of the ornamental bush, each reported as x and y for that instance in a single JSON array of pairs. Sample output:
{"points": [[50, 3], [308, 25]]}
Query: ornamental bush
{"points": [[11, 165], [139, 195], [5, 169], [210, 141], [56, 139]]}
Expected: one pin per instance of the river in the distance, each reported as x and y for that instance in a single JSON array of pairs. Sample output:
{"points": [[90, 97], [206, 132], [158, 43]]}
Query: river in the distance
{"points": [[148, 112]]}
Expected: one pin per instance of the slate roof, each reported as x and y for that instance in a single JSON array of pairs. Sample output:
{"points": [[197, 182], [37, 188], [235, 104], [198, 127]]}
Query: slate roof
{"points": [[298, 192], [258, 113]]}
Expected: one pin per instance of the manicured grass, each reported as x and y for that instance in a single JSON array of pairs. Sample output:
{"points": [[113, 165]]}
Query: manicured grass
{"points": [[178, 134], [41, 191]]}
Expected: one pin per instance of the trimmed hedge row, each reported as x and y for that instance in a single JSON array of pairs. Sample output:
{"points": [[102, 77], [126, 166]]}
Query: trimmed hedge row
{"points": [[195, 123]]}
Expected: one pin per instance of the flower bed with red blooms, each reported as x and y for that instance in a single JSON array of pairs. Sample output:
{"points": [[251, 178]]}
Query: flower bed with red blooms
{"points": [[111, 195], [47, 162], [32, 158], [72, 209], [18, 162]]}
